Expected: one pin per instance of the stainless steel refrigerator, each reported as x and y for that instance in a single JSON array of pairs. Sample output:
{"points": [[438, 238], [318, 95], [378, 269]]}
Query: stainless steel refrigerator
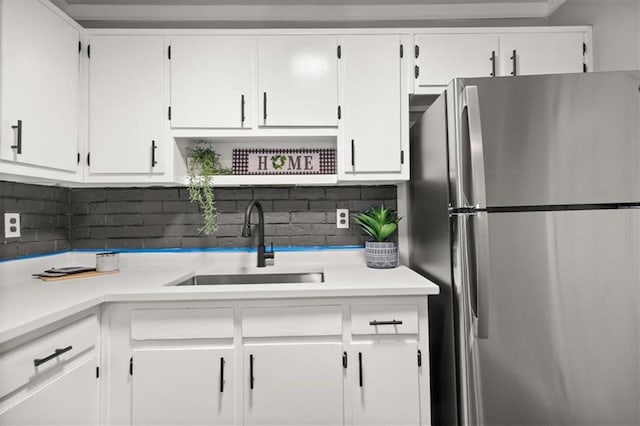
{"points": [[524, 207]]}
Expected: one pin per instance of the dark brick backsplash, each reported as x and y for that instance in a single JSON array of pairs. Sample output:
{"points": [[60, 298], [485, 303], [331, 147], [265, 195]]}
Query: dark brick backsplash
{"points": [[55, 219], [44, 219]]}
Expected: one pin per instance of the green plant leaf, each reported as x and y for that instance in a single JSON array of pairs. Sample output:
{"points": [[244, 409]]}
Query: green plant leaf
{"points": [[378, 222]]}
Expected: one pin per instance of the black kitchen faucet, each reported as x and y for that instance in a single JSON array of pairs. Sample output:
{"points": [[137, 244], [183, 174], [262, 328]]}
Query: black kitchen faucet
{"points": [[246, 232]]}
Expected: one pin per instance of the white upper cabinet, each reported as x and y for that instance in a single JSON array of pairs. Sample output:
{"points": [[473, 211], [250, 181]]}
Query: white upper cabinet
{"points": [[541, 53], [40, 86], [443, 57], [211, 81], [127, 104], [371, 106], [298, 81]]}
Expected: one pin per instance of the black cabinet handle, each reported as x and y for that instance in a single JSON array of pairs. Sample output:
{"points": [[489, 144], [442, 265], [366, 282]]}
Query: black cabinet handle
{"points": [[55, 354], [416, 71], [392, 322], [242, 108], [344, 359], [221, 374], [153, 153], [251, 378], [18, 145], [264, 106], [360, 368], [514, 61], [416, 51], [493, 63], [353, 153]]}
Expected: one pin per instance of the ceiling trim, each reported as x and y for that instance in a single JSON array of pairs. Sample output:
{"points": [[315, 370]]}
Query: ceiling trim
{"points": [[313, 13]]}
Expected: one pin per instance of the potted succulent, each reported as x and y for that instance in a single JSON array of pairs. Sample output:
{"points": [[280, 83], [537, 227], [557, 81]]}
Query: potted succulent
{"points": [[380, 223], [202, 164]]}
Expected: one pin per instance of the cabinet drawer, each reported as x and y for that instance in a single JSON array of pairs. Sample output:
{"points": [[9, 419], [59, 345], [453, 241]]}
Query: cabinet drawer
{"points": [[292, 321], [201, 323], [18, 366], [384, 319]]}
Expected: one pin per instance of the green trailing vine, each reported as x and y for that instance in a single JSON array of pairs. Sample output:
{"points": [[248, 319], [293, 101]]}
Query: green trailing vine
{"points": [[204, 164]]}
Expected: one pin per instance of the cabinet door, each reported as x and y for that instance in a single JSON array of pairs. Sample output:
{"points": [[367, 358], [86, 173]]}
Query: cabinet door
{"points": [[127, 107], [71, 399], [444, 57], [40, 85], [293, 384], [541, 53], [298, 81], [211, 81], [371, 104], [185, 386], [384, 383]]}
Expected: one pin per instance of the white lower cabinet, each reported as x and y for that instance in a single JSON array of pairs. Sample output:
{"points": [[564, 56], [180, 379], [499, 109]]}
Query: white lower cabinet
{"points": [[183, 386], [293, 384], [323, 361], [52, 378], [71, 399], [385, 388]]}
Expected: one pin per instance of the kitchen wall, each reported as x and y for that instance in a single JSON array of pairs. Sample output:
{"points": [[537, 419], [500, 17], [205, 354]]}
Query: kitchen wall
{"points": [[111, 218], [43, 216], [616, 30]]}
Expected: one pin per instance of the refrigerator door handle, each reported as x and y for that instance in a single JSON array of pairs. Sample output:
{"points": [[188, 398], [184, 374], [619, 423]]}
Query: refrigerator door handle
{"points": [[480, 276], [472, 104]]}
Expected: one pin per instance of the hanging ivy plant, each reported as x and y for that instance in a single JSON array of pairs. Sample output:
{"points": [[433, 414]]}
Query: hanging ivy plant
{"points": [[203, 165]]}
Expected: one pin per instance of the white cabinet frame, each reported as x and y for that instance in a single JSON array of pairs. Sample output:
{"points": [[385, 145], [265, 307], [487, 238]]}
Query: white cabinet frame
{"points": [[119, 347]]}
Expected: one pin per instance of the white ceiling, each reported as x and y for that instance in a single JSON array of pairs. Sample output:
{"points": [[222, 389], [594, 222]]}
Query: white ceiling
{"points": [[303, 12]]}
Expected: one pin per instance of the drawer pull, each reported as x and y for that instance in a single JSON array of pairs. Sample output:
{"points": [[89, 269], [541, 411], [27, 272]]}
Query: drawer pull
{"points": [[392, 322], [57, 353]]}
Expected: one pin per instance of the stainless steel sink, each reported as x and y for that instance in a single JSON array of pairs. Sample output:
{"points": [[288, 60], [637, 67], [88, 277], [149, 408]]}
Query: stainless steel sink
{"points": [[229, 279]]}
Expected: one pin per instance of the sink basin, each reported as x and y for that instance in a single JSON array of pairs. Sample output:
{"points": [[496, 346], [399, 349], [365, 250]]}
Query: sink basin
{"points": [[228, 279]]}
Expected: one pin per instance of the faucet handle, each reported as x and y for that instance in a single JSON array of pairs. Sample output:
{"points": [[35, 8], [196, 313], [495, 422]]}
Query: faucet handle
{"points": [[269, 254]]}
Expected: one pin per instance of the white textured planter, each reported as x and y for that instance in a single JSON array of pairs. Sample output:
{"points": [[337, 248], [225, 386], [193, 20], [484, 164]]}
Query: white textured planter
{"points": [[381, 255]]}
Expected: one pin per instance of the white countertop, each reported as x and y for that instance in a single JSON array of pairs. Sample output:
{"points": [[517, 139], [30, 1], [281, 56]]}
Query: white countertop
{"points": [[27, 303]]}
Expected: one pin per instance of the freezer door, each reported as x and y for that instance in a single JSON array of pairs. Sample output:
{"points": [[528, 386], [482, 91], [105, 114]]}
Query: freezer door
{"points": [[563, 313], [547, 140]]}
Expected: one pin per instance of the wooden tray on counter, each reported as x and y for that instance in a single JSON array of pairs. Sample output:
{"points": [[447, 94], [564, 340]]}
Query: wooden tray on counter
{"points": [[79, 275]]}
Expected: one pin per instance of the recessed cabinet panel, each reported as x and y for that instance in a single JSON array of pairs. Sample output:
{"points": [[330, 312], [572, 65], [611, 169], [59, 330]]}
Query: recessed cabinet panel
{"points": [[443, 57], [371, 104], [293, 384], [211, 81], [298, 81], [40, 86], [71, 399], [127, 106], [183, 386], [384, 378], [541, 53]]}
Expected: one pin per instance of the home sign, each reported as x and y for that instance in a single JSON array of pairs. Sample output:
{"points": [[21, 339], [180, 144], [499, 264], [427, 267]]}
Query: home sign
{"points": [[275, 161]]}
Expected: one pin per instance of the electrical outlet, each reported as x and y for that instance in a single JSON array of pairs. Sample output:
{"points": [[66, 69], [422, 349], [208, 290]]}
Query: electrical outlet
{"points": [[11, 225], [342, 218]]}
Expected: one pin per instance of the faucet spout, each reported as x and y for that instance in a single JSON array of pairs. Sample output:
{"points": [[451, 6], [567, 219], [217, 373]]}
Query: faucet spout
{"points": [[246, 232]]}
